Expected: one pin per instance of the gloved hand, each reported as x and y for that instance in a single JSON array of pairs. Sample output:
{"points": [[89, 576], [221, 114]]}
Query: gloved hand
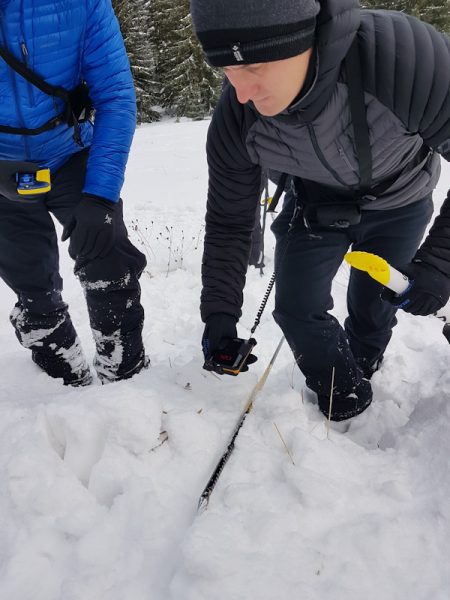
{"points": [[219, 330], [92, 228], [219, 327], [429, 290]]}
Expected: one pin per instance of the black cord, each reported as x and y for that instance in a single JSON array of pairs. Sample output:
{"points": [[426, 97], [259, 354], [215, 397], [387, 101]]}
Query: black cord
{"points": [[263, 303]]}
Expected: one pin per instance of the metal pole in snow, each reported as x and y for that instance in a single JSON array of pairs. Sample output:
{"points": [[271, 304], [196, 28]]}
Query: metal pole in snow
{"points": [[209, 488]]}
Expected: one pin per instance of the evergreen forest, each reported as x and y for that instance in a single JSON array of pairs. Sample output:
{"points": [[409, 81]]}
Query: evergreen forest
{"points": [[170, 74]]}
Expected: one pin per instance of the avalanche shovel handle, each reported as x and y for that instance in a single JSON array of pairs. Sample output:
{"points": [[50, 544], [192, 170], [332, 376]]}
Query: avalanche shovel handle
{"points": [[380, 270]]}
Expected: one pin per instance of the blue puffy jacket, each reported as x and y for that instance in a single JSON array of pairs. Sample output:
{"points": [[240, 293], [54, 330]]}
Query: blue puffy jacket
{"points": [[66, 41]]}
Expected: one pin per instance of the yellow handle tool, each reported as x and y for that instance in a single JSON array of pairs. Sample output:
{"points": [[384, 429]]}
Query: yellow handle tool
{"points": [[379, 269]]}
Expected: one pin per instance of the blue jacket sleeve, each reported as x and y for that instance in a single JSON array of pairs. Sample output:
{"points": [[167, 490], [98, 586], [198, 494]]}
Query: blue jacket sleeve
{"points": [[106, 69]]}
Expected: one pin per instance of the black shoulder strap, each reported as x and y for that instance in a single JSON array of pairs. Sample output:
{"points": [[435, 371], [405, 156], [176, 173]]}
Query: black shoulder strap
{"points": [[76, 101], [357, 104], [280, 189], [31, 76], [358, 112], [37, 130]]}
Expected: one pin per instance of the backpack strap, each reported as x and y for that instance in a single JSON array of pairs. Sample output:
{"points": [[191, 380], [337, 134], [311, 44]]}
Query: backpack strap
{"points": [[54, 122], [68, 116], [280, 189], [359, 118], [32, 77], [367, 191]]}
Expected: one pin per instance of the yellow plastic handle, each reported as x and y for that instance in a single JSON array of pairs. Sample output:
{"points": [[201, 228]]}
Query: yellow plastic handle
{"points": [[372, 264]]}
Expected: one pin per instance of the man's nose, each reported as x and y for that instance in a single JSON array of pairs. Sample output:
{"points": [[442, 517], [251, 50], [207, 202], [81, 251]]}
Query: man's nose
{"points": [[246, 88]]}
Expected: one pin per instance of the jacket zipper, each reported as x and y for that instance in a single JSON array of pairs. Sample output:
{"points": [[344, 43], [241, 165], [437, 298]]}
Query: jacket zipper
{"points": [[12, 78], [322, 158], [24, 50], [346, 159]]}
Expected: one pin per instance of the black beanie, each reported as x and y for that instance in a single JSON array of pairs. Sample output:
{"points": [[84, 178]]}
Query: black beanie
{"points": [[239, 32]]}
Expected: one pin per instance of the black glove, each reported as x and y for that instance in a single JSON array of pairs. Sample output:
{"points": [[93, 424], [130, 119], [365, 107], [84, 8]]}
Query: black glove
{"points": [[92, 228], [219, 328], [429, 290], [224, 352]]}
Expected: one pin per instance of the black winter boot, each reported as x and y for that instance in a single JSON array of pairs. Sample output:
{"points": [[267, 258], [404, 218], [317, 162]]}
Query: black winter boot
{"points": [[369, 368], [116, 360], [68, 364], [348, 405], [54, 344], [116, 315]]}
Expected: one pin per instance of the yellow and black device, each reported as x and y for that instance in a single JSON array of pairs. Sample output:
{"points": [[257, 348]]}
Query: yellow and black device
{"points": [[231, 359], [32, 184]]}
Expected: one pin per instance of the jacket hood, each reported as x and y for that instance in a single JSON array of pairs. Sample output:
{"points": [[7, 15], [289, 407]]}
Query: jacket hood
{"points": [[337, 24]]}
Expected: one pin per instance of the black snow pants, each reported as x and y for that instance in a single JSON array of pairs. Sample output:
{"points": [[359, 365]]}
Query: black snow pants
{"points": [[306, 262], [29, 265]]}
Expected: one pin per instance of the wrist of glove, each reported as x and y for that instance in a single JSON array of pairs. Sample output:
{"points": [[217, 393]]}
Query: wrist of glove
{"points": [[219, 328], [92, 228], [428, 291]]}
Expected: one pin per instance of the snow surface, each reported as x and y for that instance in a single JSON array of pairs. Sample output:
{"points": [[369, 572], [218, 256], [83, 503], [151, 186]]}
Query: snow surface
{"points": [[92, 509]]}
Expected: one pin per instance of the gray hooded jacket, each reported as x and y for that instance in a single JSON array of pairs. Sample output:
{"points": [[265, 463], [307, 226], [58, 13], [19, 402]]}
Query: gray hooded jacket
{"points": [[406, 79]]}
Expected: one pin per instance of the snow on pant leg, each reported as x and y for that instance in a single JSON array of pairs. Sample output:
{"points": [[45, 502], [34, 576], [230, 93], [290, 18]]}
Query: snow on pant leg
{"points": [[48, 332], [394, 235], [110, 284], [29, 266], [305, 265], [112, 290]]}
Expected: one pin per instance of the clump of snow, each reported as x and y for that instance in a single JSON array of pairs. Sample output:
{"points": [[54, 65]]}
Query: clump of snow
{"points": [[108, 357], [73, 356]]}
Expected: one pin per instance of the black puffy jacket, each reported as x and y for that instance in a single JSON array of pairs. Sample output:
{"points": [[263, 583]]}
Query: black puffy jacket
{"points": [[406, 79]]}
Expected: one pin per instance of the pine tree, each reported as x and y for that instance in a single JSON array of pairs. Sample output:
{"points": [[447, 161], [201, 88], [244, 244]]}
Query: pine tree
{"points": [[189, 87], [435, 12], [135, 24]]}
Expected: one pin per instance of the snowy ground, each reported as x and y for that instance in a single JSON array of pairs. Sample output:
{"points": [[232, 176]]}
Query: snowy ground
{"points": [[91, 509]]}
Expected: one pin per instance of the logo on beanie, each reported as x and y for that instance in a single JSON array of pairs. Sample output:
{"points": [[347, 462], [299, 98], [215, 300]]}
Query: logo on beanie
{"points": [[236, 48]]}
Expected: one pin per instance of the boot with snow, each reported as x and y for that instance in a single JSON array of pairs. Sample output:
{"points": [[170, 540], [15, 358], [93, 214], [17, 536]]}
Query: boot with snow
{"points": [[106, 374], [54, 344], [119, 356], [347, 405], [69, 364], [112, 291], [369, 368]]}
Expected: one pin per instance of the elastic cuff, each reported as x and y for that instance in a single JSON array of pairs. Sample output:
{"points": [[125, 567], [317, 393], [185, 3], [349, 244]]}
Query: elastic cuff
{"points": [[102, 198], [99, 200]]}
